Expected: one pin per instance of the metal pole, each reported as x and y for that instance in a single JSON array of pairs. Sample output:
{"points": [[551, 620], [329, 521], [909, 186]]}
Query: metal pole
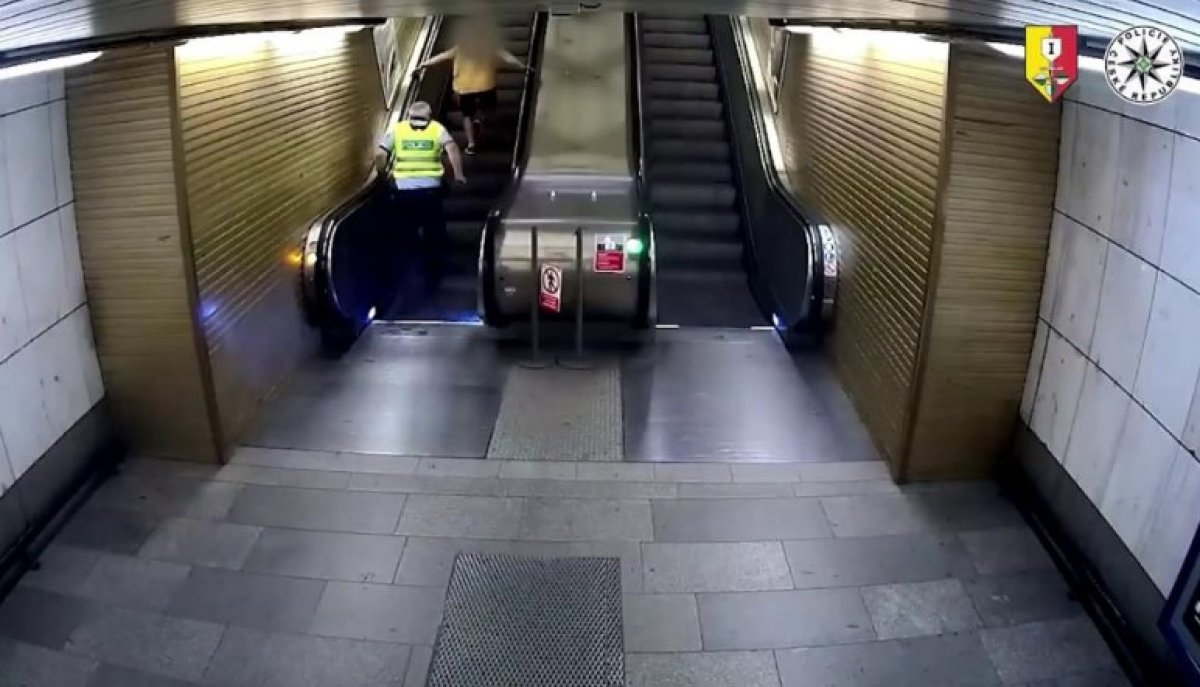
{"points": [[577, 362], [534, 298]]}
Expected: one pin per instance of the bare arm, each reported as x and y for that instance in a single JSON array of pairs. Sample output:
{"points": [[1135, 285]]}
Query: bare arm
{"points": [[511, 59], [439, 58], [456, 162]]}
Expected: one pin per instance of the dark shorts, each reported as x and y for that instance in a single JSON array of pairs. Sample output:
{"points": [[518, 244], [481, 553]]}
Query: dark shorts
{"points": [[475, 104]]}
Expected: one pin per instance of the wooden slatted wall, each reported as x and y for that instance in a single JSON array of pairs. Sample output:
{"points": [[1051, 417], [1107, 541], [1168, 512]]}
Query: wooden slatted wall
{"points": [[861, 127], [134, 248], [271, 140], [997, 207]]}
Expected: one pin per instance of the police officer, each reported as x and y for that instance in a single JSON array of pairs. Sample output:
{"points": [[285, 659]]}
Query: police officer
{"points": [[414, 146]]}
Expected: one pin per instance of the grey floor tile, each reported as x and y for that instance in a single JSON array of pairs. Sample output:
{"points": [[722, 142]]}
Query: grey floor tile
{"points": [[44, 618], [586, 520], [964, 506], [766, 472], [199, 542], [590, 490], [135, 583], [810, 489], [459, 467], [108, 529], [380, 463], [529, 469], [326, 555], [1022, 598], [709, 567], [265, 602], [475, 517], [167, 495], [692, 472], [945, 661], [739, 520], [618, 472], [428, 562], [661, 622], [734, 491], [850, 471], [288, 459], [918, 609], [279, 477], [1006, 550], [250, 658], [166, 466], [25, 665], [418, 666], [778, 620], [318, 509], [428, 484], [171, 647], [1100, 678], [61, 568], [877, 515], [407, 615], [717, 669], [1047, 650], [117, 676], [876, 560]]}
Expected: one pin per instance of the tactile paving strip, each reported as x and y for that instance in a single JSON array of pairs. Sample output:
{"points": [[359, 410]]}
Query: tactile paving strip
{"points": [[531, 622], [560, 414]]}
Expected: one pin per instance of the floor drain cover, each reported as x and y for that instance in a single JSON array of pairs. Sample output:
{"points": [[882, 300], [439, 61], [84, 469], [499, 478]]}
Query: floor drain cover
{"points": [[531, 622]]}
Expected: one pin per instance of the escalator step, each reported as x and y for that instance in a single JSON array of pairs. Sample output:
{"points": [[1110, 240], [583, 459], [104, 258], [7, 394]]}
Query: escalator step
{"points": [[656, 56], [677, 195], [662, 127], [464, 235], [514, 34], [689, 150], [691, 171], [673, 25], [690, 90], [685, 109], [464, 208], [699, 41], [681, 72], [680, 253], [717, 226]]}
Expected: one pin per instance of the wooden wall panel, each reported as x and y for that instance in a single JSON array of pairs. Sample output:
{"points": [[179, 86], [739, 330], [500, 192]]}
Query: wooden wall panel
{"points": [[861, 129], [134, 247], [997, 209], [271, 140]]}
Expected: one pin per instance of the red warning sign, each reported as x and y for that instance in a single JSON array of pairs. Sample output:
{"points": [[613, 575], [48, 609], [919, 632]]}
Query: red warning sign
{"points": [[610, 255], [550, 289]]}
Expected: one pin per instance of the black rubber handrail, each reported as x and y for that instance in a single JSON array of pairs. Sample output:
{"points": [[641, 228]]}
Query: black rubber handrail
{"points": [[320, 300], [637, 140], [526, 114]]}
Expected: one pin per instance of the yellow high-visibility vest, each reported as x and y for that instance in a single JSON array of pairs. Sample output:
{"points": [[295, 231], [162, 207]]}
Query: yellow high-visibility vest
{"points": [[416, 153]]}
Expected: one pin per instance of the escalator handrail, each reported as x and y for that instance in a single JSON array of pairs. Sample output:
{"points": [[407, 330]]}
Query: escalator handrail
{"points": [[648, 265], [526, 113], [802, 215], [314, 289]]}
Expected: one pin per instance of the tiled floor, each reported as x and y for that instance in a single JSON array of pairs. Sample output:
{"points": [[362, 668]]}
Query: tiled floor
{"points": [[302, 568]]}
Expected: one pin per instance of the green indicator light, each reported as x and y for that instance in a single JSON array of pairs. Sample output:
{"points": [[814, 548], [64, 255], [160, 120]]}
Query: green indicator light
{"points": [[634, 246]]}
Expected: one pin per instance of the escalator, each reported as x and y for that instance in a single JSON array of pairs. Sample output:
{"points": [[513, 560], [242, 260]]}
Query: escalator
{"points": [[467, 207], [362, 263], [690, 179]]}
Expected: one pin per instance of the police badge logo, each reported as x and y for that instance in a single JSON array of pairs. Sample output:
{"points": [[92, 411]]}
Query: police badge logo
{"points": [[1143, 65]]}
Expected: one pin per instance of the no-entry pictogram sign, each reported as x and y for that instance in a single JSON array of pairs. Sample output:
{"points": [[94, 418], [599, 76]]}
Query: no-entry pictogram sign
{"points": [[550, 289]]}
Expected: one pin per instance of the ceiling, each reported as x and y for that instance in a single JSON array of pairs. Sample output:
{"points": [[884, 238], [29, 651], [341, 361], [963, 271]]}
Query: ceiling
{"points": [[30, 28]]}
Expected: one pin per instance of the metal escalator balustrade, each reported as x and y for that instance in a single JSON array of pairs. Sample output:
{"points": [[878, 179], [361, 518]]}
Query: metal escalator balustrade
{"points": [[690, 179]]}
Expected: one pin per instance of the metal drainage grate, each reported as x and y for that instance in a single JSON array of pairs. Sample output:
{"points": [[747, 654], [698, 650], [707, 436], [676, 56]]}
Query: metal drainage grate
{"points": [[531, 622]]}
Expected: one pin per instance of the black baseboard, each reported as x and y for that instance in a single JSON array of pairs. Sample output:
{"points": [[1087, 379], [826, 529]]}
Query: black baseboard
{"points": [[1110, 582], [45, 497]]}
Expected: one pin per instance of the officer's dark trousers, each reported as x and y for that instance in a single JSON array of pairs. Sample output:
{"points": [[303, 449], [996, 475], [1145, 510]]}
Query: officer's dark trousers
{"points": [[422, 209]]}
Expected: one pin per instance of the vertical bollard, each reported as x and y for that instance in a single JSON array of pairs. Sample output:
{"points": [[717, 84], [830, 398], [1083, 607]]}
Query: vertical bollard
{"points": [[577, 361], [535, 267]]}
